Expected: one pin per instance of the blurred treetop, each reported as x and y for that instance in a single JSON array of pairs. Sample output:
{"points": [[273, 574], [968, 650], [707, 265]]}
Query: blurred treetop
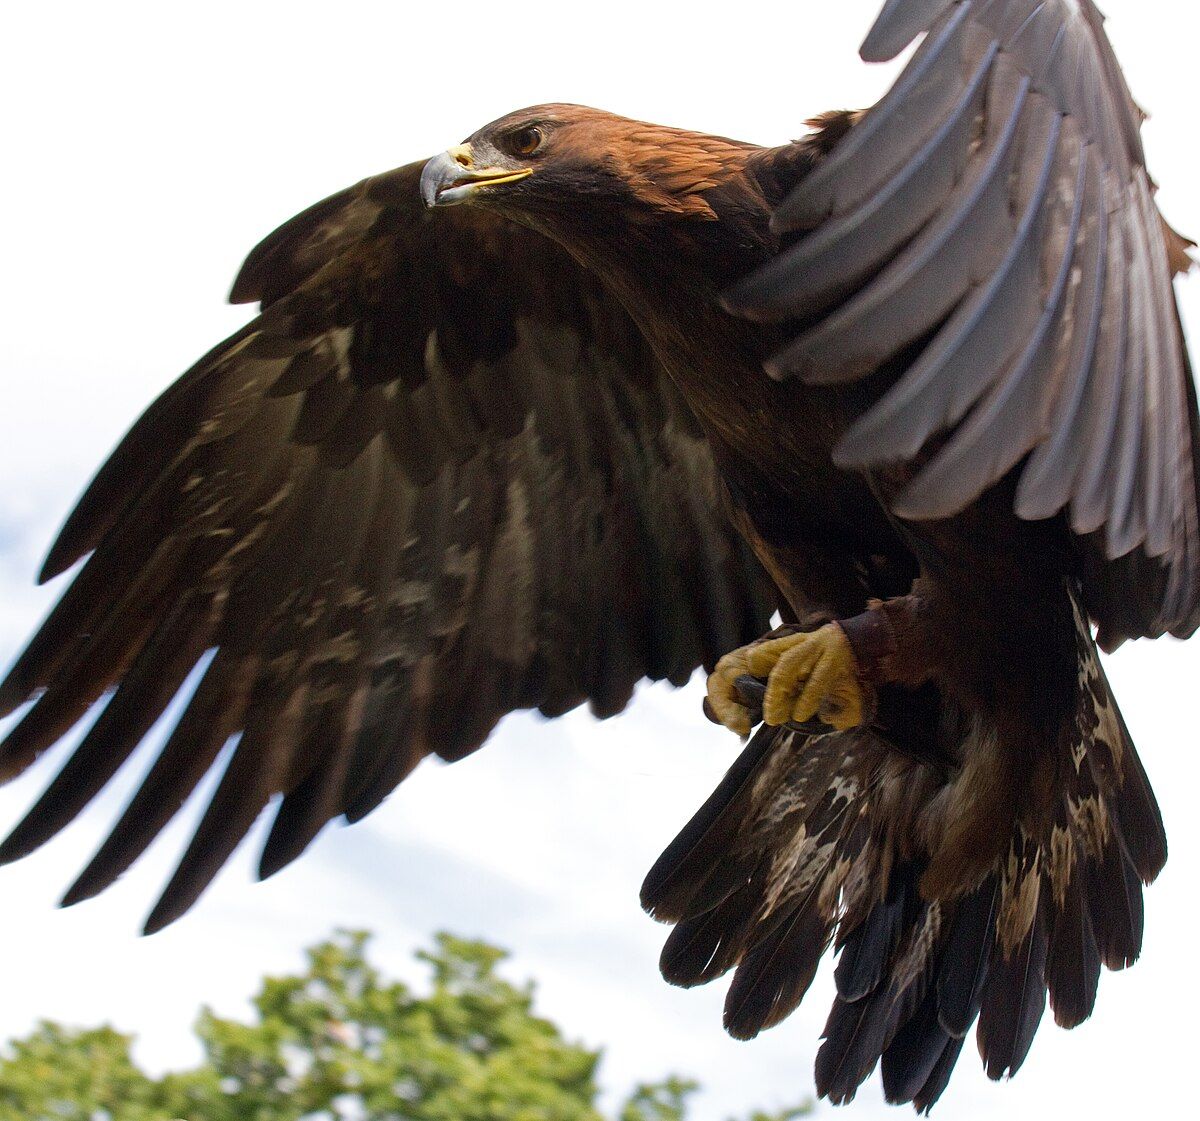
{"points": [[341, 1043]]}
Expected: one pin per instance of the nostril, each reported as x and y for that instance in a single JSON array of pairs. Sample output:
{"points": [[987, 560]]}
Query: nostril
{"points": [[462, 156]]}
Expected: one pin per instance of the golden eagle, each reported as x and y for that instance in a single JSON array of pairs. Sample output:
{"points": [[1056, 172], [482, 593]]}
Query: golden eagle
{"points": [[916, 381]]}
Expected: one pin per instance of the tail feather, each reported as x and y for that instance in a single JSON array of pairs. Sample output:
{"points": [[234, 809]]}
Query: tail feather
{"points": [[866, 952], [852, 1044], [706, 947], [967, 958], [1073, 965], [860, 1032], [908, 1064], [689, 859], [1014, 999], [1115, 895], [1138, 816], [775, 975], [935, 1086], [815, 841], [840, 1068]]}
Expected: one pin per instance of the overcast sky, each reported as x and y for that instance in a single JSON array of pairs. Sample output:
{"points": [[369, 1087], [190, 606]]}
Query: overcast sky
{"points": [[146, 147]]}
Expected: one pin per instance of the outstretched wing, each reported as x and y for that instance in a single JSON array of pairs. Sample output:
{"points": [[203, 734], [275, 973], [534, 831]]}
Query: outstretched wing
{"points": [[990, 228], [440, 477]]}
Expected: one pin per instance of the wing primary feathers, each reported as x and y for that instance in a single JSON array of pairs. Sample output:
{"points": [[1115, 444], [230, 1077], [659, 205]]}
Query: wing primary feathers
{"points": [[934, 270], [212, 716], [83, 675], [1091, 499], [974, 458], [900, 22], [864, 161], [151, 683], [1165, 374], [971, 350], [827, 266], [1097, 416], [71, 640], [1047, 481], [134, 464], [1125, 526], [328, 738], [255, 772]]}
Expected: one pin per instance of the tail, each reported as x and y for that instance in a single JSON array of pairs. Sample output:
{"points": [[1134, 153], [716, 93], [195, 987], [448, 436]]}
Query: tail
{"points": [[819, 841]]}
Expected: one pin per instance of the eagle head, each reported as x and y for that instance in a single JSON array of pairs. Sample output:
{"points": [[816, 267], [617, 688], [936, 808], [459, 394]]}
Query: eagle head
{"points": [[551, 157]]}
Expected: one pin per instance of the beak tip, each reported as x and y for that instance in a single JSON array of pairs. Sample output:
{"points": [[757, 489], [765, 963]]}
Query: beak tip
{"points": [[435, 175], [447, 181]]}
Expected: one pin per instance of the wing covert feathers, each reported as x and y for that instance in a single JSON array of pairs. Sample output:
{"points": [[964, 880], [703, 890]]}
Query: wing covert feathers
{"points": [[988, 234], [819, 841], [439, 478]]}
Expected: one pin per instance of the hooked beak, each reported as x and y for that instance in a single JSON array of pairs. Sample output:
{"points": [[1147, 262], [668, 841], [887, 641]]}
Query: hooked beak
{"points": [[452, 177]]}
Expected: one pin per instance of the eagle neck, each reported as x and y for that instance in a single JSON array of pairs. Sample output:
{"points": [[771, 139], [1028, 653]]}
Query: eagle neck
{"points": [[669, 275]]}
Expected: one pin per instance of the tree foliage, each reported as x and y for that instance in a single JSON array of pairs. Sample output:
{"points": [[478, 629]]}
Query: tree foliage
{"points": [[339, 1042]]}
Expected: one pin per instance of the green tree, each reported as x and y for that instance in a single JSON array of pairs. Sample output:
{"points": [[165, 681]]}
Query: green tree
{"points": [[339, 1042]]}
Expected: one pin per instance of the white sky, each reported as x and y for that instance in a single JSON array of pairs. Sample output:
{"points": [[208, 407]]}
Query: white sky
{"points": [[146, 148]]}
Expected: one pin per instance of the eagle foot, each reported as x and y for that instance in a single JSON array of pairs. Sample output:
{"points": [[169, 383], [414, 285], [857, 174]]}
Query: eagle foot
{"points": [[808, 674]]}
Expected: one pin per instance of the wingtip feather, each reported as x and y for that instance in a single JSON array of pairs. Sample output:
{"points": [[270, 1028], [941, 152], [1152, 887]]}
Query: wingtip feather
{"points": [[60, 557], [900, 22]]}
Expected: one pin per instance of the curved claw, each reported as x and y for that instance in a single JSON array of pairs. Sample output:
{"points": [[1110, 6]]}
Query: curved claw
{"points": [[812, 674], [799, 678], [724, 703]]}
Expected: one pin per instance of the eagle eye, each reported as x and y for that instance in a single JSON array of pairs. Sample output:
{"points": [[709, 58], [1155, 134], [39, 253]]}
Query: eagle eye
{"points": [[525, 141]]}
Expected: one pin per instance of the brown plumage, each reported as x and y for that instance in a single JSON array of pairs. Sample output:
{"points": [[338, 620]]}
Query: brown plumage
{"points": [[396, 502], [527, 452]]}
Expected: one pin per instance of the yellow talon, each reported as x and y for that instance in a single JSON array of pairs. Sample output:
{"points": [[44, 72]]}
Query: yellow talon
{"points": [[723, 697], [808, 674]]}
